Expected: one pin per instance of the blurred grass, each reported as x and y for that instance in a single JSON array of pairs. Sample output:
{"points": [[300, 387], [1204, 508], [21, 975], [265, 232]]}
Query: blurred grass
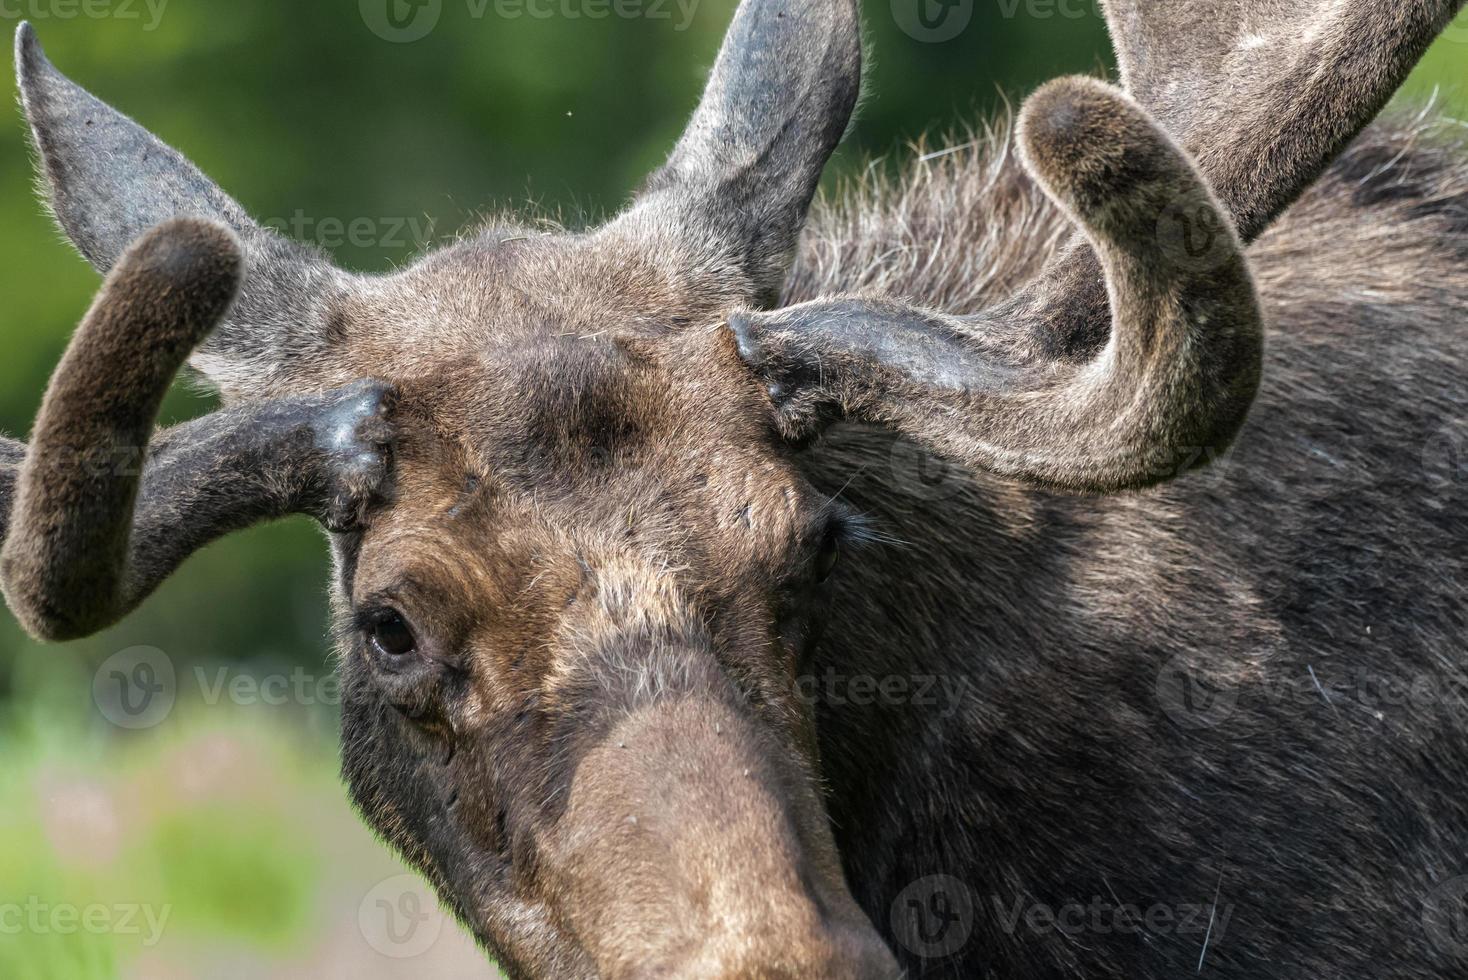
{"points": [[233, 817], [161, 824], [217, 845], [301, 112]]}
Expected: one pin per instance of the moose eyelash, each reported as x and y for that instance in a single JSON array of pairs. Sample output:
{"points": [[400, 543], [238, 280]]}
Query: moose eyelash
{"points": [[364, 614], [370, 614], [848, 526]]}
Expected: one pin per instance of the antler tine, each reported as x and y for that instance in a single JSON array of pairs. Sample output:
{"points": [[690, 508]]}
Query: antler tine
{"points": [[1266, 94], [1180, 369], [1134, 354], [735, 191], [64, 565], [1263, 95], [108, 181], [104, 508]]}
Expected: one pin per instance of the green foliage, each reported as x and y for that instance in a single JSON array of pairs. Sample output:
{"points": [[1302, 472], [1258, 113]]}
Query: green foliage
{"points": [[221, 836], [109, 849], [314, 122], [243, 877]]}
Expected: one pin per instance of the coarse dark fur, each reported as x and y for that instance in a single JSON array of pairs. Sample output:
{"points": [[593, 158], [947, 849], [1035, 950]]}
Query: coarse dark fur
{"points": [[1212, 727], [91, 457], [1329, 543]]}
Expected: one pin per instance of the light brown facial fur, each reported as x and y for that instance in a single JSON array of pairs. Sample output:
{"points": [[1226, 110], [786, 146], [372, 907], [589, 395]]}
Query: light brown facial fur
{"points": [[612, 571], [582, 557], [573, 612]]}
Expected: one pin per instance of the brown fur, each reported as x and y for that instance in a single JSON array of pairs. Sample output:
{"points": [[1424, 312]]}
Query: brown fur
{"points": [[67, 545], [614, 565]]}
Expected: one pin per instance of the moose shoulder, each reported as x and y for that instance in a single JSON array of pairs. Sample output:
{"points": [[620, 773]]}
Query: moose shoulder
{"points": [[747, 588]]}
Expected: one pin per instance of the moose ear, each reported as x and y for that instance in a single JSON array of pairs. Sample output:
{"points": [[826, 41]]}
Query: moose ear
{"points": [[108, 181], [736, 189]]}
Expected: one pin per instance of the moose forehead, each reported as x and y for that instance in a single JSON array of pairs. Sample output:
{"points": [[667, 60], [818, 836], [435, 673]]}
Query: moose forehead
{"points": [[554, 446], [575, 336], [548, 358], [510, 286]]}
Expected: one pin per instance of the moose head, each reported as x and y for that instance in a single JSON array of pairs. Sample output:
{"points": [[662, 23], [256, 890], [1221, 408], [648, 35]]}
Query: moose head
{"points": [[578, 559]]}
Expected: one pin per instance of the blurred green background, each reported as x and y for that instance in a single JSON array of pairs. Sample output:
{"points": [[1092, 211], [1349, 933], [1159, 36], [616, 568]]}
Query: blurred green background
{"points": [[225, 822]]}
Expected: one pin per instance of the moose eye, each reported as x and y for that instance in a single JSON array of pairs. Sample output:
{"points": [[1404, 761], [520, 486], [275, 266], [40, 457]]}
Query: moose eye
{"points": [[828, 557], [391, 635]]}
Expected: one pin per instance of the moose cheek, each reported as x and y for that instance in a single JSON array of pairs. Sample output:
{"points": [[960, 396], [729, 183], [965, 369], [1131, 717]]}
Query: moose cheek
{"points": [[801, 627], [412, 683]]}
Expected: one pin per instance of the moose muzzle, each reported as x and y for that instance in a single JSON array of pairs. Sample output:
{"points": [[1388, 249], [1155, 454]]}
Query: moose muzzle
{"points": [[694, 845]]}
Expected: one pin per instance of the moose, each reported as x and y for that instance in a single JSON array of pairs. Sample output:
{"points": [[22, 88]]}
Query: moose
{"points": [[602, 502]]}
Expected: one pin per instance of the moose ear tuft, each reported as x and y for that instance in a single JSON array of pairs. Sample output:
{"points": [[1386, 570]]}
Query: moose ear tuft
{"points": [[109, 182], [27, 46], [740, 181], [107, 179]]}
